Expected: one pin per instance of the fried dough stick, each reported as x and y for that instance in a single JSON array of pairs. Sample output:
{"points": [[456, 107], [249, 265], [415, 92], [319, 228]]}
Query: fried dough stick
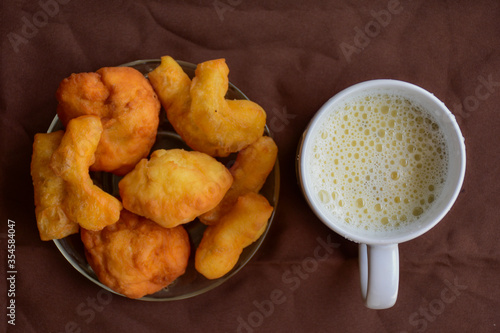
{"points": [[136, 256], [49, 190], [85, 203], [253, 165], [199, 112], [222, 244], [128, 108], [175, 186]]}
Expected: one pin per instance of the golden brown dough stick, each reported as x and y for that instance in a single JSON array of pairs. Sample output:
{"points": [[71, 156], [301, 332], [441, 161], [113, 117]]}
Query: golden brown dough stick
{"points": [[199, 112], [135, 256], [253, 165], [175, 186], [172, 86], [222, 244], [49, 190], [85, 203], [128, 108]]}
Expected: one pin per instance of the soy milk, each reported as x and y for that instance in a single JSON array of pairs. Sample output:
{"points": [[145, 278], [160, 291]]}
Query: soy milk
{"points": [[379, 162]]}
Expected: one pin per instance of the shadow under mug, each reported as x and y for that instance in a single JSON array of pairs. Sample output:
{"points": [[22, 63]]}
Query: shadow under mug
{"points": [[379, 254]]}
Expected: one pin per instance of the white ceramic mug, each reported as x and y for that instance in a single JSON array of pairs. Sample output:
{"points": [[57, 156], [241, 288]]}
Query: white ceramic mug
{"points": [[379, 254]]}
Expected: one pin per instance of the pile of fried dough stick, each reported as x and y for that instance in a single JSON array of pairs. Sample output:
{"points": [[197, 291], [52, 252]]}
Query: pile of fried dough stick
{"points": [[136, 243]]}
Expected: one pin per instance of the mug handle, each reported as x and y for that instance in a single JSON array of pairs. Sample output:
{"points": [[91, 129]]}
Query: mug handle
{"points": [[379, 272]]}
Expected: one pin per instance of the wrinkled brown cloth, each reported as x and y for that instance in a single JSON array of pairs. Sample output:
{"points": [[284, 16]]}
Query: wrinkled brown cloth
{"points": [[290, 57]]}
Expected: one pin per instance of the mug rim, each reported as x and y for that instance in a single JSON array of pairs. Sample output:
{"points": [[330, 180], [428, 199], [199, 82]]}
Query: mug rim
{"points": [[446, 118]]}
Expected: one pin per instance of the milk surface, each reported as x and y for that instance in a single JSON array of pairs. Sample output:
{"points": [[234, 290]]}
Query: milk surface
{"points": [[378, 162]]}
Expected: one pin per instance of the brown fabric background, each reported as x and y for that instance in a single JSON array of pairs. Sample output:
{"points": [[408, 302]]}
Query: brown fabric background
{"points": [[287, 56]]}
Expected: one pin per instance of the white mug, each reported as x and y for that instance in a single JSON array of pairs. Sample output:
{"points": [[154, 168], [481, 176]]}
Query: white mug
{"points": [[379, 254]]}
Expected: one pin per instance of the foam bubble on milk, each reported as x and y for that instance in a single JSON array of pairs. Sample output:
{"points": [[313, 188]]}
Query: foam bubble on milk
{"points": [[378, 161]]}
